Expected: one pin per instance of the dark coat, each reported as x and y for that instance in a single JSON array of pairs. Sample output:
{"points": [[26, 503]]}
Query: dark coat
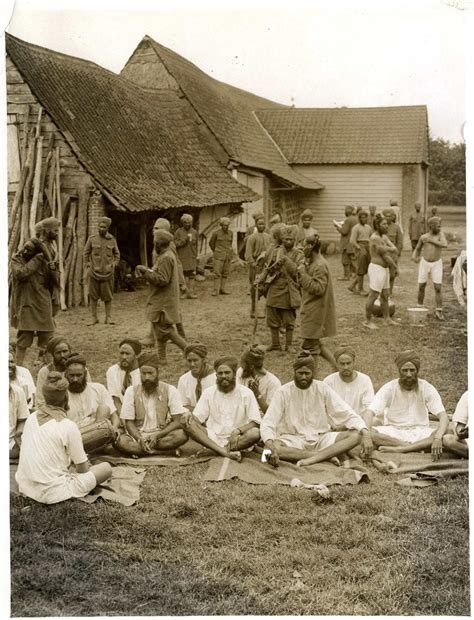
{"points": [[284, 290], [164, 289], [318, 310], [187, 248]]}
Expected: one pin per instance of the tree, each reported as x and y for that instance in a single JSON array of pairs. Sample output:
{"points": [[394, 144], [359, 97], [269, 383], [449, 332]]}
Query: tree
{"points": [[447, 173]]}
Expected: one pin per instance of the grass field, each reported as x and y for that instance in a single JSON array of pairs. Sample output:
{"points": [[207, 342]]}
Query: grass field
{"points": [[196, 548]]}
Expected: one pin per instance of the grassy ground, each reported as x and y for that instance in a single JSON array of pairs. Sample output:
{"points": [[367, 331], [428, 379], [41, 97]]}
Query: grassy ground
{"points": [[196, 548]]}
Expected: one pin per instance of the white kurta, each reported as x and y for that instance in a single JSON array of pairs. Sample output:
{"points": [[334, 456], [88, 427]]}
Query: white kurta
{"points": [[151, 424], [359, 393], [45, 456], [461, 414], [43, 373], [114, 378], [223, 412], [25, 381], [83, 406], [267, 385], [17, 411], [187, 388]]}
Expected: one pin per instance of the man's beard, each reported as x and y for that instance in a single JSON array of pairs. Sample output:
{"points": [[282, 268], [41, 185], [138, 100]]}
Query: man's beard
{"points": [[303, 384], [125, 365], [149, 385], [226, 385], [408, 383], [77, 387], [12, 374]]}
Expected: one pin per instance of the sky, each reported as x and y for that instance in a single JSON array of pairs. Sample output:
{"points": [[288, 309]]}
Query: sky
{"points": [[309, 54]]}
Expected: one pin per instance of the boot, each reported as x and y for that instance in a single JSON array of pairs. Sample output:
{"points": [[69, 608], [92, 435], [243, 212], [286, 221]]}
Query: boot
{"points": [[224, 290], [162, 352], [216, 286], [94, 320], [108, 313], [252, 303], [288, 339], [178, 340], [191, 291], [20, 355], [275, 346]]}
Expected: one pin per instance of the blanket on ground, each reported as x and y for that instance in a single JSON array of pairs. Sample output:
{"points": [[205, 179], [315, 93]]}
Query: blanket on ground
{"points": [[188, 457]]}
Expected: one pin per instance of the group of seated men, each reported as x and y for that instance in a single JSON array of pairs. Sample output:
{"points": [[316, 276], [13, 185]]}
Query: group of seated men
{"points": [[225, 408]]}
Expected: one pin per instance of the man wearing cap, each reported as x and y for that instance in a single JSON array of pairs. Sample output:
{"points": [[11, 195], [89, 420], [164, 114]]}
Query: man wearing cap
{"points": [[255, 376], [186, 241], [101, 256], [21, 377], [305, 228], [394, 233], [162, 307], [226, 417], [200, 375], [221, 246], [34, 277], [430, 246], [299, 424], [416, 225], [256, 247], [458, 442], [124, 374], [17, 412], [353, 386], [405, 404], [50, 443], [47, 231], [345, 246], [151, 413]]}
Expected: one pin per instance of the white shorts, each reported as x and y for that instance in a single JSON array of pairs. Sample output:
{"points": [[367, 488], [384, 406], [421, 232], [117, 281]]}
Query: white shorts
{"points": [[409, 434], [379, 277], [299, 442], [435, 269]]}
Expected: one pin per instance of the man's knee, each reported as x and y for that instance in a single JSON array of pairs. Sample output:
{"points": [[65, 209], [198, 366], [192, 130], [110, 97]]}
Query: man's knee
{"points": [[437, 288], [176, 438], [253, 434], [449, 441]]}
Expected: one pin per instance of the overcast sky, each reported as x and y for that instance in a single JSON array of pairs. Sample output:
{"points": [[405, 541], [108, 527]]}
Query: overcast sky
{"points": [[312, 54]]}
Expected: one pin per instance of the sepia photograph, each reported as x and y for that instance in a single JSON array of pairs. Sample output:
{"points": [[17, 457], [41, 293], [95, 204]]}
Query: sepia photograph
{"points": [[235, 267]]}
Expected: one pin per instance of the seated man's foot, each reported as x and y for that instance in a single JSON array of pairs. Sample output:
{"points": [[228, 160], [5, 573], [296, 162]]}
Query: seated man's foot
{"points": [[234, 456], [402, 448], [370, 324]]}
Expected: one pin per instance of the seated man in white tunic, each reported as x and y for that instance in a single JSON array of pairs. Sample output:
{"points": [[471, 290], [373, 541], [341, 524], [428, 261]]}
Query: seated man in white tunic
{"points": [[151, 412], [87, 401], [21, 377], [226, 417], [405, 404], [17, 413], [253, 375], [200, 376], [458, 442], [121, 376], [353, 386], [50, 443], [298, 424]]}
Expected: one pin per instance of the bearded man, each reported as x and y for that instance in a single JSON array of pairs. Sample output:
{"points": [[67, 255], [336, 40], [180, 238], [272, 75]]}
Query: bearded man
{"points": [[21, 377], [121, 376], [226, 417], [298, 426], [186, 241], [200, 376], [17, 411], [405, 404], [151, 413], [255, 376]]}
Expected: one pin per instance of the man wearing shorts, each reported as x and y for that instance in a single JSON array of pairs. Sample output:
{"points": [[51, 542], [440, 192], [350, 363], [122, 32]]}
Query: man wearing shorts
{"points": [[430, 246]]}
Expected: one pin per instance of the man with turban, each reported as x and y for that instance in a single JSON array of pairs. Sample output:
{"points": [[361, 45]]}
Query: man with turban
{"points": [[17, 411], [405, 404], [458, 442], [430, 246], [226, 417], [416, 225], [305, 228], [162, 308], [50, 443], [283, 296], [394, 233], [101, 256], [360, 241], [255, 249], [21, 377], [255, 376], [125, 373], [186, 241], [151, 413], [345, 247], [200, 375], [300, 421], [398, 214], [353, 386], [221, 246]]}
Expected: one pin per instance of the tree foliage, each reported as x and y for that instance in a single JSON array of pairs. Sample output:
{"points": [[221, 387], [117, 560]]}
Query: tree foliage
{"points": [[447, 181]]}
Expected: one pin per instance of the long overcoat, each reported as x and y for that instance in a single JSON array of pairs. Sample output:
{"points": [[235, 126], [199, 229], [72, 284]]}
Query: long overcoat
{"points": [[164, 288], [318, 310], [284, 290]]}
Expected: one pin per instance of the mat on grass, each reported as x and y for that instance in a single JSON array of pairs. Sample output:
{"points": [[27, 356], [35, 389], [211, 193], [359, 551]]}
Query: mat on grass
{"points": [[253, 471], [162, 461]]}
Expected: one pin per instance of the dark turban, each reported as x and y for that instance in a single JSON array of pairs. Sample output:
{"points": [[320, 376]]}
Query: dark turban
{"points": [[407, 356], [258, 216], [253, 354], [344, 349], [75, 358], [162, 237], [276, 230], [135, 344], [290, 231], [49, 223], [149, 359], [304, 358], [227, 360], [53, 343], [55, 388], [196, 347], [105, 220]]}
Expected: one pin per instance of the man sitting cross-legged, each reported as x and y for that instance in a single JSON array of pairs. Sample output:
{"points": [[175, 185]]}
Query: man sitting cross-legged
{"points": [[458, 442], [21, 378], [17, 412], [253, 375], [151, 413], [200, 376], [50, 443], [405, 404], [228, 410], [124, 374], [298, 424]]}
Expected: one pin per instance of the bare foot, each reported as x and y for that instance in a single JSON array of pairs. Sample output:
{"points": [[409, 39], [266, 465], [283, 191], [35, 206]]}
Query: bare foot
{"points": [[370, 325], [391, 322], [303, 463], [235, 456]]}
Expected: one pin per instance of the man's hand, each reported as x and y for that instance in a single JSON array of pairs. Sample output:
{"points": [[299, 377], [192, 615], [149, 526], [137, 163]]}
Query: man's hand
{"points": [[301, 268], [254, 385], [273, 459], [141, 268], [367, 445], [186, 418], [462, 431], [143, 443], [415, 258], [234, 440], [436, 449]]}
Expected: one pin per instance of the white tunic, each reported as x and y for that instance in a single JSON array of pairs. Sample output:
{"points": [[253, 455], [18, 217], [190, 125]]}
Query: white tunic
{"points": [[115, 376], [17, 411], [358, 393], [151, 424], [82, 406], [43, 373], [25, 380], [222, 412], [268, 384], [461, 414], [187, 388]]}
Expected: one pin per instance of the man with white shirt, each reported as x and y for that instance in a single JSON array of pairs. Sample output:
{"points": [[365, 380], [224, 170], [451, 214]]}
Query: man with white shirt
{"points": [[353, 386], [121, 376], [458, 442], [21, 378], [253, 375], [298, 426], [151, 412], [17, 413], [405, 404], [226, 418], [200, 376]]}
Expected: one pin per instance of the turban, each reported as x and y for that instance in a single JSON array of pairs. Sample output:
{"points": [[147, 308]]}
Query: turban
{"points": [[304, 358], [307, 213], [55, 388], [196, 347], [434, 219], [388, 212], [275, 219], [162, 224], [186, 218], [289, 231], [254, 353], [224, 220], [149, 359], [393, 203], [407, 356], [75, 358], [135, 344], [344, 349], [227, 360], [276, 230], [162, 237], [105, 220], [53, 343], [258, 216], [50, 223]]}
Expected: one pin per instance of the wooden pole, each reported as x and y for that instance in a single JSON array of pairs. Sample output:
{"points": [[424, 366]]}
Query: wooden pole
{"points": [[50, 185], [24, 137], [79, 285], [143, 252], [36, 184], [68, 232], [14, 213], [62, 295], [44, 171], [72, 264], [38, 123], [30, 160]]}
